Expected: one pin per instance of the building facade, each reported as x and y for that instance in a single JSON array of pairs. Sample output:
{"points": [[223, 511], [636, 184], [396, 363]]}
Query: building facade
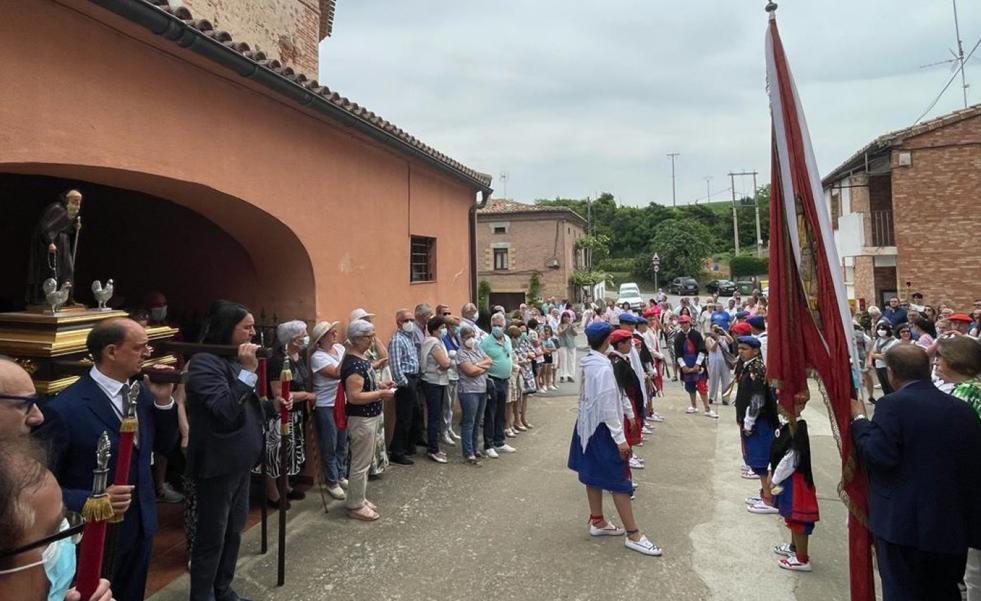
{"points": [[905, 213], [517, 240]]}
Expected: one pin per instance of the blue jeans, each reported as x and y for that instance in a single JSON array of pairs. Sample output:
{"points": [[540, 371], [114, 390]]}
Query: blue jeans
{"points": [[434, 414], [494, 413], [333, 446], [472, 405]]}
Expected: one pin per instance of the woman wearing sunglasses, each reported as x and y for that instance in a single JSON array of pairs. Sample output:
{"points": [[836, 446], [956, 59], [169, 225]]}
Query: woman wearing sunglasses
{"points": [[37, 552]]}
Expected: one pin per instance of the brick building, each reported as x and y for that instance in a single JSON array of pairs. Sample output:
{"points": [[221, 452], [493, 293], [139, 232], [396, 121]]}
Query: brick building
{"points": [[516, 240], [905, 210]]}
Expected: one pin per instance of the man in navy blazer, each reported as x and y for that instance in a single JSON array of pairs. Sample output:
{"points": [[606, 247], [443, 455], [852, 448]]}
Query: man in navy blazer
{"points": [[73, 422], [922, 452]]}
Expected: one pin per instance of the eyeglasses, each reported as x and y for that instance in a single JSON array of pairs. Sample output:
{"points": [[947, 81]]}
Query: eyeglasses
{"points": [[27, 402], [74, 531]]}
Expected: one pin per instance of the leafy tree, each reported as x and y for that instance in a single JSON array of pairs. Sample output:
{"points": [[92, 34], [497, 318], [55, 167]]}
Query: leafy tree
{"points": [[683, 245], [534, 293]]}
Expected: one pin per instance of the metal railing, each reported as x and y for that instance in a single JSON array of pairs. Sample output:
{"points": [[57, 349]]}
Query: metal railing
{"points": [[883, 233]]}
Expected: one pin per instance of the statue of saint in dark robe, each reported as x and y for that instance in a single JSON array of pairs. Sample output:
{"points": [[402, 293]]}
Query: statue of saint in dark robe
{"points": [[51, 246]]}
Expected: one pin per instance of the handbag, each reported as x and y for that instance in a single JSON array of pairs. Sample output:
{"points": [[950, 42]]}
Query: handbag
{"points": [[340, 407]]}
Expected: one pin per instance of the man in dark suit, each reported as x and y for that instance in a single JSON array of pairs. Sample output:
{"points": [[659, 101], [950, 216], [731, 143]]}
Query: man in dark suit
{"points": [[922, 451], [226, 437], [73, 422]]}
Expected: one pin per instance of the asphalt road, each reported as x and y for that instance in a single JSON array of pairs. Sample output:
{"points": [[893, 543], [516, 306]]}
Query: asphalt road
{"points": [[515, 529]]}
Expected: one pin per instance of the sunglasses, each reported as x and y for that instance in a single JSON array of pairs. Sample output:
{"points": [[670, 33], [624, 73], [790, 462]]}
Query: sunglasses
{"points": [[26, 402], [76, 523]]}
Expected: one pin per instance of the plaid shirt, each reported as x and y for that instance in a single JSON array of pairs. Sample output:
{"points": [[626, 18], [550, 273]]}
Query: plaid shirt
{"points": [[402, 357]]}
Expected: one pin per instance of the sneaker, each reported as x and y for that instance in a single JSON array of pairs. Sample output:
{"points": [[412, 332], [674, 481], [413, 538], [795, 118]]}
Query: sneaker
{"points": [[646, 430], [455, 435], [337, 492], [750, 475], [167, 494], [554, 387], [762, 508], [657, 417], [691, 410], [643, 545], [449, 439], [472, 460], [609, 529], [505, 448], [510, 433], [711, 414], [343, 483], [437, 457], [753, 500], [636, 464], [794, 564], [784, 549], [491, 453]]}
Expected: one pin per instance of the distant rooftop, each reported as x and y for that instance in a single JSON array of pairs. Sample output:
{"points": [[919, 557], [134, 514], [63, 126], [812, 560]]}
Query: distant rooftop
{"points": [[506, 206]]}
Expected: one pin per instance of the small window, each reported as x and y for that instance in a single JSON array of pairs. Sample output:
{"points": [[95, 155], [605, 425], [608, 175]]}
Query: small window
{"points": [[422, 259], [500, 259], [500, 229]]}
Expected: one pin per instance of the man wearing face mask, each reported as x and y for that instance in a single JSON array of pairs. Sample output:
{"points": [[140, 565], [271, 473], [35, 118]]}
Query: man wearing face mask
{"points": [[497, 346], [404, 361], [470, 315], [37, 552]]}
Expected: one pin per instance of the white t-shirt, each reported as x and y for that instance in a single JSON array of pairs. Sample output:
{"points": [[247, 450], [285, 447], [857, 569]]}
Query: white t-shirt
{"points": [[325, 387]]}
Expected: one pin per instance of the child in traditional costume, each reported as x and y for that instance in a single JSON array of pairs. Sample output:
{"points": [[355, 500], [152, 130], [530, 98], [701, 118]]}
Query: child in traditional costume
{"points": [[756, 411], [794, 494], [630, 387], [599, 448]]}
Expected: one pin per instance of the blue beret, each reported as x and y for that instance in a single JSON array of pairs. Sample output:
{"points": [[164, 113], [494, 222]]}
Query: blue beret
{"points": [[598, 330], [627, 317], [741, 314], [751, 341], [758, 322]]}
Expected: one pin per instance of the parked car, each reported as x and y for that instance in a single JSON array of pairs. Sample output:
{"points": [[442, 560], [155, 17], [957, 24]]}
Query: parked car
{"points": [[745, 287], [683, 285], [630, 293], [721, 287]]}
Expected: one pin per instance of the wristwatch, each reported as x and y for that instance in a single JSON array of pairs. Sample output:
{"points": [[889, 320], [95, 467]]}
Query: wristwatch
{"points": [[858, 417]]}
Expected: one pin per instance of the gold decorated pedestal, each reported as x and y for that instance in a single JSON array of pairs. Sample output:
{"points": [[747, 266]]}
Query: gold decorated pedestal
{"points": [[51, 346]]}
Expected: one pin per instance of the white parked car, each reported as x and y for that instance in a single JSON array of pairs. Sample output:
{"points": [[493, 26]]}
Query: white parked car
{"points": [[630, 293]]}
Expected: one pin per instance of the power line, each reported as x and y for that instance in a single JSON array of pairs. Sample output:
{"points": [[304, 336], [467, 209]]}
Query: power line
{"points": [[953, 77]]}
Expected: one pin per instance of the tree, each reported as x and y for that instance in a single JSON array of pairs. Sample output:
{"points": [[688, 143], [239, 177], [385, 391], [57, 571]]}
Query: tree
{"points": [[534, 293], [683, 245]]}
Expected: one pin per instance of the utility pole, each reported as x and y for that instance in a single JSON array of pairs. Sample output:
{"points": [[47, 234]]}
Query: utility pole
{"points": [[708, 189], [504, 184], [735, 217], [756, 205], [960, 53], [674, 194]]}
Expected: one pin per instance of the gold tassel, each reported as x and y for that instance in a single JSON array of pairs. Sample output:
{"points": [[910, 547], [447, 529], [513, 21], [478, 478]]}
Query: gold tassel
{"points": [[98, 509], [128, 424]]}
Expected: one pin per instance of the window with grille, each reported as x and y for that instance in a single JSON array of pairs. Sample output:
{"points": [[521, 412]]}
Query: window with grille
{"points": [[500, 259], [422, 257]]}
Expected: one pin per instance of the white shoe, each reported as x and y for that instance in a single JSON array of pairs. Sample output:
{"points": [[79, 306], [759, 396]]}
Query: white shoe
{"points": [[449, 440], [657, 417], [646, 430], [343, 483], [750, 476], [610, 529], [455, 435], [636, 463], [510, 433], [491, 453], [762, 508], [784, 549], [691, 410], [337, 492], [554, 387], [711, 414], [505, 448], [794, 564], [643, 545], [167, 494], [753, 500]]}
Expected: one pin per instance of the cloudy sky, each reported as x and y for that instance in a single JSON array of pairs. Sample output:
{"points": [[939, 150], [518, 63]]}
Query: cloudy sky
{"points": [[571, 98]]}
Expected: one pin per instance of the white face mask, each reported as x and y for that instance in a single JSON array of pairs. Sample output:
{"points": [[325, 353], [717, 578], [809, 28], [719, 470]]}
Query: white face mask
{"points": [[305, 342], [470, 343], [476, 316], [441, 332], [406, 326], [158, 313], [882, 332]]}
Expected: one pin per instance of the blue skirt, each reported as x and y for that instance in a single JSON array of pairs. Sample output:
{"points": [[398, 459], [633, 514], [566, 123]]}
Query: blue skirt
{"points": [[758, 444], [601, 466]]}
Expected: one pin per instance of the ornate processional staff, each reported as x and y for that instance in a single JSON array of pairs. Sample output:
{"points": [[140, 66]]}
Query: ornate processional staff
{"points": [[262, 386], [127, 436], [96, 511], [285, 378]]}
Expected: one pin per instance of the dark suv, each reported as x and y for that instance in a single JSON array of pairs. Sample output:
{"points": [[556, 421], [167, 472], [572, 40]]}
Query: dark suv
{"points": [[721, 287], [683, 285]]}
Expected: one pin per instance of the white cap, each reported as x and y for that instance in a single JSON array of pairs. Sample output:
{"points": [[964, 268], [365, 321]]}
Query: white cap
{"points": [[359, 313]]}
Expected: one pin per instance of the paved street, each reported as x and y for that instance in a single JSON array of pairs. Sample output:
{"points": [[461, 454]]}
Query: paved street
{"points": [[516, 528]]}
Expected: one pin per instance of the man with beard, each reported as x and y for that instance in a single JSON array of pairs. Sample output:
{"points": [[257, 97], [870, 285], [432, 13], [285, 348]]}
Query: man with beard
{"points": [[51, 246]]}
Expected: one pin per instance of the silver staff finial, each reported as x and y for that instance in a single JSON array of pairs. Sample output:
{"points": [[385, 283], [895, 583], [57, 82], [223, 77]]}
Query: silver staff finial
{"points": [[771, 7]]}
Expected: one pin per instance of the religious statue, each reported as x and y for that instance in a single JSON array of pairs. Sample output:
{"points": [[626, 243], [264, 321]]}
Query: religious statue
{"points": [[53, 246]]}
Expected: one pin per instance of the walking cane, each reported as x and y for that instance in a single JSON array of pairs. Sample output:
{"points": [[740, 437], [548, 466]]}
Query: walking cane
{"points": [[78, 231], [285, 379], [262, 386], [96, 511]]}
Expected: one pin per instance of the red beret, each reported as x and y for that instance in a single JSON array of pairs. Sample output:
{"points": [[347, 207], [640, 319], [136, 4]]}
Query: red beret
{"points": [[742, 329], [685, 319], [960, 317], [620, 336]]}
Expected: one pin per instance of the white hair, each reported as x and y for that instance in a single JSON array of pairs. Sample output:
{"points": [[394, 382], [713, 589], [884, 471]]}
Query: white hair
{"points": [[874, 309], [466, 330], [289, 330], [499, 317], [359, 328]]}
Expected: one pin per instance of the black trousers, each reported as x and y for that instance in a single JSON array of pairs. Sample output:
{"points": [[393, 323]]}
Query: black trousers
{"points": [[132, 562], [405, 408], [497, 400], [909, 574], [223, 504]]}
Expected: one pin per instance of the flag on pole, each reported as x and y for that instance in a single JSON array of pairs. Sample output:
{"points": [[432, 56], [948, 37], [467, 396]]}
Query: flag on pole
{"points": [[809, 324]]}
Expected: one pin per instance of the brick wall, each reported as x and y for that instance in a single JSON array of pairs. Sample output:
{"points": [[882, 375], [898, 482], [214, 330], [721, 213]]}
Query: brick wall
{"points": [[288, 30], [533, 241], [936, 216]]}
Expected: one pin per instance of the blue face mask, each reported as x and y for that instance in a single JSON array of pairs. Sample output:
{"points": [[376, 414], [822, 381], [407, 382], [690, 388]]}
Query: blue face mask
{"points": [[497, 331], [58, 560]]}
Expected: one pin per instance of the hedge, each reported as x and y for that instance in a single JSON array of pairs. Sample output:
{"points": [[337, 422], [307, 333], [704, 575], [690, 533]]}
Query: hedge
{"points": [[746, 265]]}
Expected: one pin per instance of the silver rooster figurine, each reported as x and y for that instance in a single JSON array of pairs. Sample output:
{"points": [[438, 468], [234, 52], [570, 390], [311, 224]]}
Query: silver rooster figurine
{"points": [[53, 296], [102, 295]]}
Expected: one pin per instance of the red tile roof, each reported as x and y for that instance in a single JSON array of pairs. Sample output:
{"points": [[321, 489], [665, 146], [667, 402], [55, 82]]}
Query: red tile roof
{"points": [[504, 206], [354, 110]]}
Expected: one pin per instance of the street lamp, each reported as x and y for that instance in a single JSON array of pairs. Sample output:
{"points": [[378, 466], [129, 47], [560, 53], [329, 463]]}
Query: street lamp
{"points": [[656, 267]]}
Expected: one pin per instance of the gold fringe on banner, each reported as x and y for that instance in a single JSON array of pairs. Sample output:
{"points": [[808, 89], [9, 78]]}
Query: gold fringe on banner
{"points": [[97, 509]]}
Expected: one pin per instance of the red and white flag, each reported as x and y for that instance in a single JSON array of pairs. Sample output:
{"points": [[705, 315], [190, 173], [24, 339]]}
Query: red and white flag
{"points": [[809, 324]]}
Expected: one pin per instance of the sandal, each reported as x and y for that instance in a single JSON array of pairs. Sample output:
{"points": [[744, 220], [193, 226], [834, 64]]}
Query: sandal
{"points": [[365, 514], [371, 505]]}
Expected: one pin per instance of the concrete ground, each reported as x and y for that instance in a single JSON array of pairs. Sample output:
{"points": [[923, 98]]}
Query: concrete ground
{"points": [[515, 529]]}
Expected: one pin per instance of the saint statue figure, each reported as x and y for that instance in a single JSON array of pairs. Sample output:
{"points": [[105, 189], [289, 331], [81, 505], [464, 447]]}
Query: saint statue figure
{"points": [[52, 251]]}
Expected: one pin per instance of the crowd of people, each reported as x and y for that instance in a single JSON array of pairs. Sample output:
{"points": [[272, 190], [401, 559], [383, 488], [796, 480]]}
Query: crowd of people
{"points": [[368, 404]]}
